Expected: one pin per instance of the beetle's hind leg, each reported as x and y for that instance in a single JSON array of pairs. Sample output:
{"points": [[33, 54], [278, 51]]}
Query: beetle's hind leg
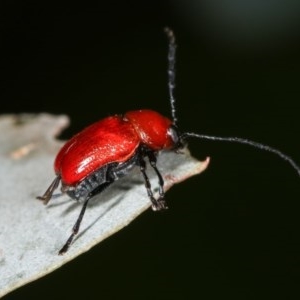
{"points": [[49, 192]]}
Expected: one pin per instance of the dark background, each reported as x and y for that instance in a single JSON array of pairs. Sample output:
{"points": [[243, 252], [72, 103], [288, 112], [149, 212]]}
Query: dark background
{"points": [[232, 232]]}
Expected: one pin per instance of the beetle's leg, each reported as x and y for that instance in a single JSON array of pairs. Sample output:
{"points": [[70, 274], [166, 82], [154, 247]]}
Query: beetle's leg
{"points": [[153, 160], [156, 204], [76, 226], [49, 192]]}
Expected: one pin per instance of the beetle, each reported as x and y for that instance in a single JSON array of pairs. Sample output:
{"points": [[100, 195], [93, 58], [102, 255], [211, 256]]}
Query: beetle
{"points": [[107, 150]]}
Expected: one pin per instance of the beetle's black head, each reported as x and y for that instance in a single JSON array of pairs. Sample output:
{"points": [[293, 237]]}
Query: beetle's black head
{"points": [[178, 140]]}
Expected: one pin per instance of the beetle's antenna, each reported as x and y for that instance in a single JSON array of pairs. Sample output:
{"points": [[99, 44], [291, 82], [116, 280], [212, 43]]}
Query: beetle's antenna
{"points": [[247, 142], [171, 70]]}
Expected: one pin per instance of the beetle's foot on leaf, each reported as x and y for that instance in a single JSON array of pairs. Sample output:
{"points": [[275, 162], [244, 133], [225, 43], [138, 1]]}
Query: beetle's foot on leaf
{"points": [[63, 250], [159, 204], [44, 199]]}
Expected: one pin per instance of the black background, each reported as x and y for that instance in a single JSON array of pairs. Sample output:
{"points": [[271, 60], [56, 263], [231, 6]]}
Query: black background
{"points": [[232, 232]]}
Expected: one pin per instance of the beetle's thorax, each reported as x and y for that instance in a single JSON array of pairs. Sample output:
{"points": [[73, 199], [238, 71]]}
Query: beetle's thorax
{"points": [[152, 128]]}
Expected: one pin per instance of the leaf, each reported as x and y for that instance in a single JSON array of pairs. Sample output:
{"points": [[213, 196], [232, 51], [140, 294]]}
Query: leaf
{"points": [[30, 233]]}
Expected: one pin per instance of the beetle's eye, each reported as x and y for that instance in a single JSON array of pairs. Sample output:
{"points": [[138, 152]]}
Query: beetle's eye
{"points": [[173, 133]]}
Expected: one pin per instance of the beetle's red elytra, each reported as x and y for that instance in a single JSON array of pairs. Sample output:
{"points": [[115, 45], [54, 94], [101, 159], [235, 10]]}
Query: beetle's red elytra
{"points": [[108, 149]]}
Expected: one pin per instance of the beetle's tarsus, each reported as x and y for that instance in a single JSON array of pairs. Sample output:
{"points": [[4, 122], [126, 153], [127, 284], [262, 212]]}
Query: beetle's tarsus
{"points": [[66, 246], [159, 205], [44, 199], [49, 192]]}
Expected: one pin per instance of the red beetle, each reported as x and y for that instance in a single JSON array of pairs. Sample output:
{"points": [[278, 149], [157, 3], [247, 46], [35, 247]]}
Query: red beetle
{"points": [[108, 149]]}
